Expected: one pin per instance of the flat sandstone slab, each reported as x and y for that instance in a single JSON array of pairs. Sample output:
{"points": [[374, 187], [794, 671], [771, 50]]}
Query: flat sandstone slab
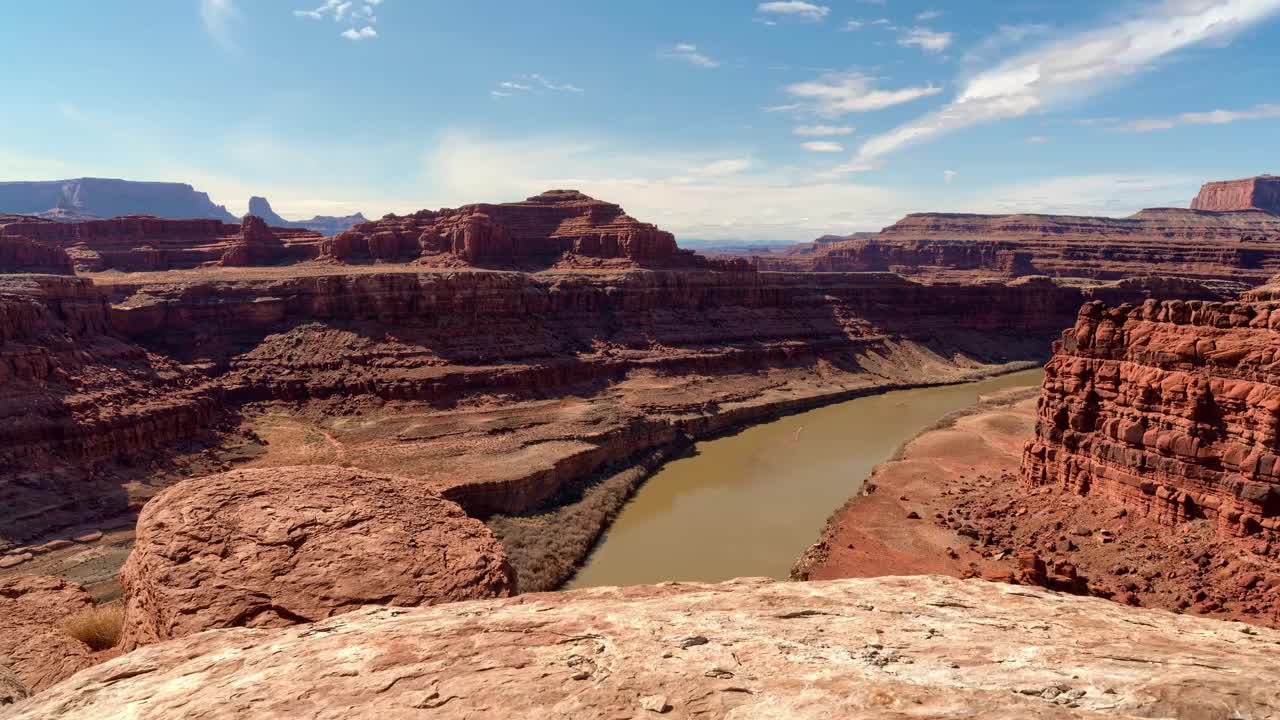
{"points": [[889, 647]]}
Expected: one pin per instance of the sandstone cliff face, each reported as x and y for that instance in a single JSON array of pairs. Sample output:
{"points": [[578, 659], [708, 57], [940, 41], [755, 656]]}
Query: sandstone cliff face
{"points": [[1170, 408], [1235, 246], [71, 393], [97, 376], [542, 229], [23, 255], [1256, 193], [138, 244], [890, 647], [297, 545]]}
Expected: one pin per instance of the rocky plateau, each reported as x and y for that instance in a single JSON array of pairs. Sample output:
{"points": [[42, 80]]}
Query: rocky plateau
{"points": [[1231, 232], [888, 647]]}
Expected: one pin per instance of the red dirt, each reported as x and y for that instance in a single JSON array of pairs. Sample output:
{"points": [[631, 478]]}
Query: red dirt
{"points": [[977, 519]]}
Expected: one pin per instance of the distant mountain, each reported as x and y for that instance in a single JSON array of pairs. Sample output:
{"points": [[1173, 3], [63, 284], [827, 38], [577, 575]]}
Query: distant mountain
{"points": [[324, 224], [86, 198]]}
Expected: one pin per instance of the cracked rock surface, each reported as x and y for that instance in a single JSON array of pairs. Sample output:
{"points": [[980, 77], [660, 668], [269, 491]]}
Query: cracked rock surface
{"points": [[282, 546], [887, 647]]}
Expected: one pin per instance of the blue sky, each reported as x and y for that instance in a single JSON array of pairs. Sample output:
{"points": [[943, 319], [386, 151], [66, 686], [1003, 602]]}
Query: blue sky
{"points": [[716, 119]]}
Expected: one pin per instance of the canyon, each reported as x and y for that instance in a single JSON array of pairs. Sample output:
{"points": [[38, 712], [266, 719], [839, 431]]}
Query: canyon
{"points": [[489, 384], [1230, 234]]}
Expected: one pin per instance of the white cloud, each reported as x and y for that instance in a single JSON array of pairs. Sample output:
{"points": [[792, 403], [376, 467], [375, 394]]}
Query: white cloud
{"points": [[554, 87], [1105, 195], [836, 94], [925, 39], [823, 130], [795, 9], [823, 146], [352, 12], [219, 17], [532, 83], [852, 25], [1077, 66], [949, 175], [688, 52], [1213, 117], [928, 15], [1036, 140], [687, 192], [719, 168]]}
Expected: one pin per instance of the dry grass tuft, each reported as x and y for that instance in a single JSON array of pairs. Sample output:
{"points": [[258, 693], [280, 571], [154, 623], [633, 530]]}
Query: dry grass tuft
{"points": [[99, 627]]}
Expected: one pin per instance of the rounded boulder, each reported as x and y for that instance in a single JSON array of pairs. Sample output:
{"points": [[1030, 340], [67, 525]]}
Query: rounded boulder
{"points": [[284, 546]]}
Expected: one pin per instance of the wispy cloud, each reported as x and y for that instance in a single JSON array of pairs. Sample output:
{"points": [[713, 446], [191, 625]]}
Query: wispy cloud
{"points": [[361, 15], [532, 83], [852, 25], [1077, 66], [928, 15], [925, 39], [1212, 117], [796, 9], [823, 130], [219, 18], [823, 146], [837, 94], [1036, 140], [949, 175], [688, 52]]}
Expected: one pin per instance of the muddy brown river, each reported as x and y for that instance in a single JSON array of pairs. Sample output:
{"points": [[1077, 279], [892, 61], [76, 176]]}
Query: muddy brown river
{"points": [[749, 504]]}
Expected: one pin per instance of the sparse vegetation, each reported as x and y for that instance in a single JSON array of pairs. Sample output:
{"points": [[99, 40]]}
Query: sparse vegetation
{"points": [[546, 547], [98, 627]]}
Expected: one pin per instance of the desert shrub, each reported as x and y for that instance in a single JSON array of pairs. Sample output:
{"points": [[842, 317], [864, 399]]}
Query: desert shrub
{"points": [[98, 627], [546, 547]]}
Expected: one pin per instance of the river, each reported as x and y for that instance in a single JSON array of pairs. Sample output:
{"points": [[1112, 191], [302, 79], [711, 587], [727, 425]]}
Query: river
{"points": [[748, 504]]}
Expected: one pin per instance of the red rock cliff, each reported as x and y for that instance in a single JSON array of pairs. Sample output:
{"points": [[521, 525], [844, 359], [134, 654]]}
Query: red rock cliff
{"points": [[1171, 409], [543, 229], [1256, 193], [1243, 247], [137, 243]]}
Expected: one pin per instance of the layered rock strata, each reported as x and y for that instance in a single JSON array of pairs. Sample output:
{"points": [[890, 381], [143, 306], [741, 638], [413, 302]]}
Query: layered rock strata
{"points": [[886, 647], [556, 226], [138, 243], [584, 368], [1257, 193], [297, 545], [1169, 409], [1233, 246], [23, 255]]}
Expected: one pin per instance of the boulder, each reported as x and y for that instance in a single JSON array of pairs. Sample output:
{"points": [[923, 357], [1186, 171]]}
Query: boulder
{"points": [[281, 546], [869, 648]]}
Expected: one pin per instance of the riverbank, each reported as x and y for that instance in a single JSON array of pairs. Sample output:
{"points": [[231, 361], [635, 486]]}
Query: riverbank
{"points": [[742, 501], [951, 503], [896, 524]]}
